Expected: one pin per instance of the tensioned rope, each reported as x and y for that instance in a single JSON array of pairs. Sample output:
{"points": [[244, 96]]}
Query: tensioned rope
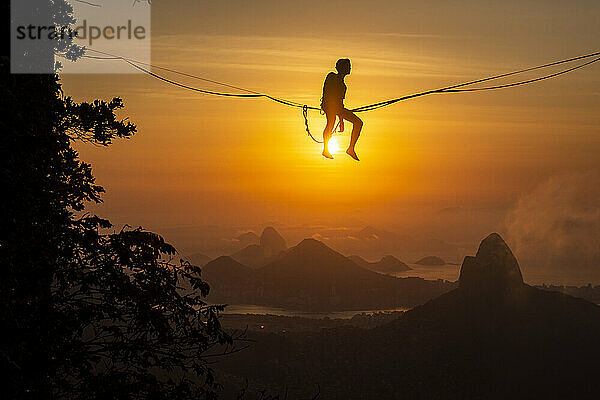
{"points": [[249, 93], [457, 88]]}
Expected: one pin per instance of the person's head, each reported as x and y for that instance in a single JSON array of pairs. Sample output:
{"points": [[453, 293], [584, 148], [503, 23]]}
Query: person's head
{"points": [[343, 66]]}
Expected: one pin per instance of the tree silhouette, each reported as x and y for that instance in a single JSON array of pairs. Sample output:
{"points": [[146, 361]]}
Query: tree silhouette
{"points": [[88, 311]]}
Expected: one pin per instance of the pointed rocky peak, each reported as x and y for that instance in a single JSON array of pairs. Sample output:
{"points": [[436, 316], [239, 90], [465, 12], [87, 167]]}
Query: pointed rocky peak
{"points": [[225, 269], [494, 266], [272, 242], [315, 261], [312, 249], [311, 245], [431, 261], [226, 262], [389, 264]]}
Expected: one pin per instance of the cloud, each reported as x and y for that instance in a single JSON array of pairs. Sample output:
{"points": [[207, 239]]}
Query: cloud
{"points": [[557, 226], [296, 54]]}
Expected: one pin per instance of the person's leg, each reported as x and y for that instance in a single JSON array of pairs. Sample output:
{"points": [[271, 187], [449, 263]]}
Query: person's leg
{"points": [[328, 132], [356, 128]]}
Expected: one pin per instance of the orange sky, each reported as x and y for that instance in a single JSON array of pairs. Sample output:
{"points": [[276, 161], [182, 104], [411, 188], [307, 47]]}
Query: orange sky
{"points": [[201, 160]]}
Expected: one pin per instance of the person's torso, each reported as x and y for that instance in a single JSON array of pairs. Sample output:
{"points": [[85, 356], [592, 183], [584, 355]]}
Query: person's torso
{"points": [[334, 89]]}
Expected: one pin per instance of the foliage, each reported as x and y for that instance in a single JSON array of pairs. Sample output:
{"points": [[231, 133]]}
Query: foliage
{"points": [[133, 329], [88, 312]]}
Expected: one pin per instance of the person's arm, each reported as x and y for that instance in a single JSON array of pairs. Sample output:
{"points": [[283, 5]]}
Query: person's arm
{"points": [[341, 126]]}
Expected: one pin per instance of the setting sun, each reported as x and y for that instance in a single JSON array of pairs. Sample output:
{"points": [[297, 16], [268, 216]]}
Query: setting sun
{"points": [[334, 146]]}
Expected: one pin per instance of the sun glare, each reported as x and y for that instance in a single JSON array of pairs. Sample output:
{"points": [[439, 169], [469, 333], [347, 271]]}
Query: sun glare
{"points": [[334, 146]]}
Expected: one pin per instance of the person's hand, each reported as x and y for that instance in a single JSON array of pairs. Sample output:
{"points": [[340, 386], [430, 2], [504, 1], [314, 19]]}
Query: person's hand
{"points": [[341, 128]]}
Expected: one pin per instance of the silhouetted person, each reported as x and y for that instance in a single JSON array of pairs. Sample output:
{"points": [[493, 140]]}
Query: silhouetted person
{"points": [[334, 92]]}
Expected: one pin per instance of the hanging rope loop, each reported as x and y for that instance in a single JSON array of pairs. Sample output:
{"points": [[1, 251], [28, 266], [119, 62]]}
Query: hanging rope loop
{"points": [[305, 115]]}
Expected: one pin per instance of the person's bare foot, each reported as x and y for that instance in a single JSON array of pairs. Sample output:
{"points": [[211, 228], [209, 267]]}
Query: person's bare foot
{"points": [[327, 154], [352, 154]]}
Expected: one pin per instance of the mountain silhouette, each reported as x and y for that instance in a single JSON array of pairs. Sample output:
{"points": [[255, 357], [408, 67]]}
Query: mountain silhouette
{"points": [[313, 277], [224, 270], [492, 337], [270, 245], [272, 242], [431, 261], [494, 267], [386, 265], [251, 255], [313, 259]]}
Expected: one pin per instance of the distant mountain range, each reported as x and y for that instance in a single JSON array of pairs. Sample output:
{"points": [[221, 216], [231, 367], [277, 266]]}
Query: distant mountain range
{"points": [[492, 337], [271, 244], [369, 242], [311, 276]]}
